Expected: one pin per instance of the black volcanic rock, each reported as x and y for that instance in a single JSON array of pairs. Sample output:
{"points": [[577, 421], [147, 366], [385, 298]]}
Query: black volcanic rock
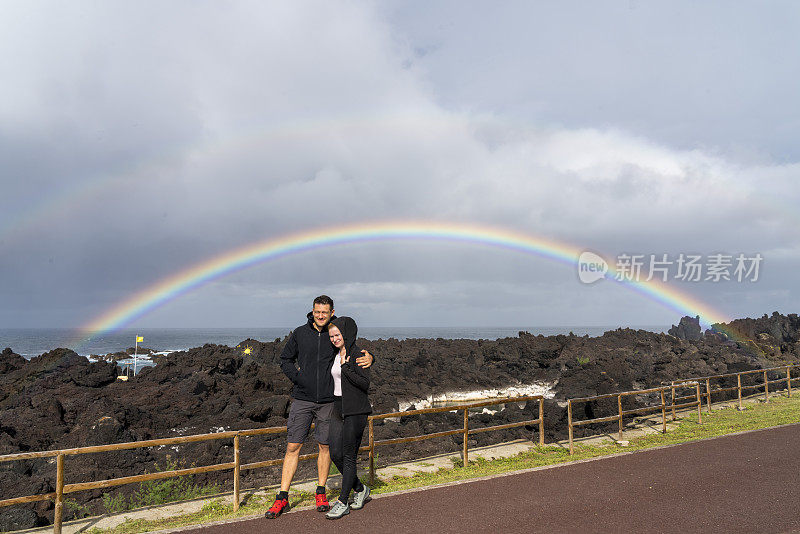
{"points": [[688, 328], [775, 338], [19, 519], [9, 361], [780, 328]]}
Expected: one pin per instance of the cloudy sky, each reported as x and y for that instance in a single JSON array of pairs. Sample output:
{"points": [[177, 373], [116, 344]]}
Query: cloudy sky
{"points": [[140, 138]]}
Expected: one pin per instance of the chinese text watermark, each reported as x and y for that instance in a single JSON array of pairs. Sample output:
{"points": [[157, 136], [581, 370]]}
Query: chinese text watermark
{"points": [[664, 267]]}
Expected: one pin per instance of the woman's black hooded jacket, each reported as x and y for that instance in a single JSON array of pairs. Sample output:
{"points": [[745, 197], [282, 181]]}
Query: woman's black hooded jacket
{"points": [[355, 379]]}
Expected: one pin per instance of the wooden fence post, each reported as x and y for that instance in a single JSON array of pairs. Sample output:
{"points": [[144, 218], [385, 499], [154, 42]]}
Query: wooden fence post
{"points": [[708, 394], [569, 421], [466, 436], [739, 388], [672, 387], [59, 511], [619, 404], [371, 454], [663, 413], [541, 421], [699, 404], [789, 380], [766, 387], [236, 465]]}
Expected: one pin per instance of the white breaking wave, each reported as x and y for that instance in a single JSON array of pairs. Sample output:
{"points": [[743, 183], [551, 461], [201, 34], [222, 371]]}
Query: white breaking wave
{"points": [[544, 389]]}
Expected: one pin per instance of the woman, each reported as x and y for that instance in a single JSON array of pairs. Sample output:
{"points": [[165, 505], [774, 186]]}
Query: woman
{"points": [[351, 408]]}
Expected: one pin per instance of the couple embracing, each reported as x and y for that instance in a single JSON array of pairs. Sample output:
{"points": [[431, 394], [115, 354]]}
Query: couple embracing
{"points": [[331, 379]]}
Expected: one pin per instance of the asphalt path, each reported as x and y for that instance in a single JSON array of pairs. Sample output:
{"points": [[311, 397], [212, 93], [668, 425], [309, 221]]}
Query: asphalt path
{"points": [[746, 482]]}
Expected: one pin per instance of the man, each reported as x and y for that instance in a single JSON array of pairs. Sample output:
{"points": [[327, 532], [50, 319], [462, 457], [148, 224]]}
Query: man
{"points": [[310, 348]]}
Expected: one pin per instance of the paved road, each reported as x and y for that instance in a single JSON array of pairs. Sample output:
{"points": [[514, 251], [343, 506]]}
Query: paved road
{"points": [[742, 483]]}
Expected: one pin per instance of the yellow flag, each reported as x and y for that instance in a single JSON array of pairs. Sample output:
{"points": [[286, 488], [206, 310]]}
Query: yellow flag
{"points": [[139, 339]]}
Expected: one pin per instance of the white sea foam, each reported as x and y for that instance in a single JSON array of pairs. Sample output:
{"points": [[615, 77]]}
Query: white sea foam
{"points": [[544, 389]]}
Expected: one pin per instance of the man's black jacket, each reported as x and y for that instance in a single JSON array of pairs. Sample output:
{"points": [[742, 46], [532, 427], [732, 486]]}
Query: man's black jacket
{"points": [[313, 352]]}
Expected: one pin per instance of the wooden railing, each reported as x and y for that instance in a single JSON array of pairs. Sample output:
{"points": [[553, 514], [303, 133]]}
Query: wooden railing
{"points": [[638, 411], [739, 387], [465, 430], [675, 401], [62, 488], [60, 455]]}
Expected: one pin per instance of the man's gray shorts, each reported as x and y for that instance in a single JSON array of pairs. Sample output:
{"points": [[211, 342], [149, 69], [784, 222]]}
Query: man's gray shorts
{"points": [[301, 414]]}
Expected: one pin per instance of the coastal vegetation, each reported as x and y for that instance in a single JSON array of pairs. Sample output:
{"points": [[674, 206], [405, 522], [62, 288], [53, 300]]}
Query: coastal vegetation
{"points": [[155, 492]]}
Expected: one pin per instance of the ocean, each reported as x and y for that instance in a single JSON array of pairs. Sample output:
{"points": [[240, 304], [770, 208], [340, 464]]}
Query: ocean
{"points": [[30, 342]]}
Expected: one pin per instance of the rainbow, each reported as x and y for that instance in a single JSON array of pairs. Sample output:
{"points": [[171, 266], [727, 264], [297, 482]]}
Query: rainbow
{"points": [[232, 261]]}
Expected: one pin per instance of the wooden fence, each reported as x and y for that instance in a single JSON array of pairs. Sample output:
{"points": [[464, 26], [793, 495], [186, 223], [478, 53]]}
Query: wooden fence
{"points": [[675, 401], [465, 430], [638, 411], [739, 387], [62, 488]]}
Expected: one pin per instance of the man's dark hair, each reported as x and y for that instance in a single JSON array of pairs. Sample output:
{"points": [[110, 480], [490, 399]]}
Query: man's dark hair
{"points": [[323, 300]]}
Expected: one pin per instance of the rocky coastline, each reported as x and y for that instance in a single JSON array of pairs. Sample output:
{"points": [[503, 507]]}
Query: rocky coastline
{"points": [[62, 400]]}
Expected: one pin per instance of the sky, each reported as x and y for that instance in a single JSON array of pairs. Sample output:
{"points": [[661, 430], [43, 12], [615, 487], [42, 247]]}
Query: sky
{"points": [[138, 139]]}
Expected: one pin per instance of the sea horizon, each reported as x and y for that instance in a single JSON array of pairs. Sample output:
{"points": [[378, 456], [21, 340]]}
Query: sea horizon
{"points": [[30, 342]]}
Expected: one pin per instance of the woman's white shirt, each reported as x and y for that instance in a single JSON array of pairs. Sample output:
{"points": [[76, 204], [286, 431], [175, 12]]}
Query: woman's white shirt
{"points": [[336, 373]]}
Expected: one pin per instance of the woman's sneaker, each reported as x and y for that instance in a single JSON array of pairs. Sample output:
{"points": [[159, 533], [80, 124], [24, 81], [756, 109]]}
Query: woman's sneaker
{"points": [[277, 508], [339, 509], [359, 498], [322, 502]]}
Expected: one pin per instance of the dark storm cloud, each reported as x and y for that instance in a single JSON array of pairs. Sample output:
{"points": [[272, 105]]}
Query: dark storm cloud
{"points": [[136, 141]]}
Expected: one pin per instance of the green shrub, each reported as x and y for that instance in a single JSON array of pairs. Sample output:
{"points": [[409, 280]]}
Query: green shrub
{"points": [[114, 503], [152, 492], [78, 510], [216, 507]]}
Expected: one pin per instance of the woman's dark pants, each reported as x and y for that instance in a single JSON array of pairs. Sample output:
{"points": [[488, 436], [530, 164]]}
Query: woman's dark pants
{"points": [[344, 442]]}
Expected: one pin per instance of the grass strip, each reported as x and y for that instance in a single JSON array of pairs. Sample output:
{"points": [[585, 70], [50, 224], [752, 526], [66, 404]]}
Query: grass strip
{"points": [[778, 411]]}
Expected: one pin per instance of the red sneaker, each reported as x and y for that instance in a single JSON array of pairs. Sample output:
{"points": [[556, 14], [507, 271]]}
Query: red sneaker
{"points": [[277, 508], [322, 502]]}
